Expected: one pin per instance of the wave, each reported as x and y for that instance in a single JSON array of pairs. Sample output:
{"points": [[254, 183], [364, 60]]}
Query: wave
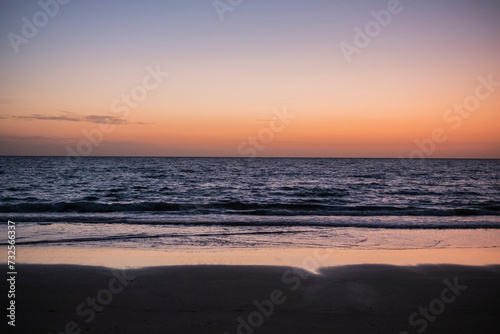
{"points": [[145, 236], [261, 209], [250, 225]]}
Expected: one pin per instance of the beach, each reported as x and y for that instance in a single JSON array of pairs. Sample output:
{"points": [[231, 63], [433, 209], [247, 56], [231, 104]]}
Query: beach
{"points": [[226, 245], [226, 291], [257, 299], [250, 167]]}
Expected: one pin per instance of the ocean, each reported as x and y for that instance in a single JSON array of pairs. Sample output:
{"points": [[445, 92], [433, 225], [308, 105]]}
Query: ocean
{"points": [[158, 203]]}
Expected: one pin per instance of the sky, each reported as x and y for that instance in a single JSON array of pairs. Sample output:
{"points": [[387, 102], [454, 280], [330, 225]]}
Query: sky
{"points": [[259, 78]]}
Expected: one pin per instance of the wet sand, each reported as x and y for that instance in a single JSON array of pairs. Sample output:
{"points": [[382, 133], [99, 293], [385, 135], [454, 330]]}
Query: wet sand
{"points": [[367, 298]]}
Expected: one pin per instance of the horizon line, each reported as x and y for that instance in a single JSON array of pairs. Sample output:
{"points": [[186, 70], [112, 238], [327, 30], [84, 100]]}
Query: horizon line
{"points": [[235, 157]]}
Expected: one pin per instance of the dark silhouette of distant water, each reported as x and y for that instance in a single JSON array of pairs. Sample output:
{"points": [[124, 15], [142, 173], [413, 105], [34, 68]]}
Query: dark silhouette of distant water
{"points": [[272, 192]]}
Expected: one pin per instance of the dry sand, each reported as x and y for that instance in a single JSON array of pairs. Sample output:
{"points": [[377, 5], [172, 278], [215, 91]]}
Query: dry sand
{"points": [[223, 299]]}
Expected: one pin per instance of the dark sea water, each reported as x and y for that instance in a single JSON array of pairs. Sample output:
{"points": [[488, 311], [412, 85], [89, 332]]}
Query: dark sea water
{"points": [[61, 199]]}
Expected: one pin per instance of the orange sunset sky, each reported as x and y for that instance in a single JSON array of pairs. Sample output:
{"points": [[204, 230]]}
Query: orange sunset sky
{"points": [[230, 71]]}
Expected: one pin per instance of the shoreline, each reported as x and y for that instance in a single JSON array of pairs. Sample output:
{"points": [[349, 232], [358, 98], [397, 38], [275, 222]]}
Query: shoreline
{"points": [[308, 258]]}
